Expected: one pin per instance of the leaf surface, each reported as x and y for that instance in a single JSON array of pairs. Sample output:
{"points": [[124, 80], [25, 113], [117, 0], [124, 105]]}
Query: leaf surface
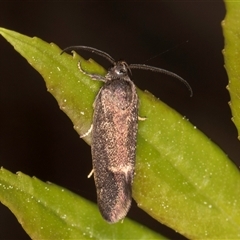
{"points": [[182, 178]]}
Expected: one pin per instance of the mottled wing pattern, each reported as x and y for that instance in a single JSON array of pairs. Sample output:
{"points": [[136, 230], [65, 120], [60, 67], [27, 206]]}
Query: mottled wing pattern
{"points": [[114, 136]]}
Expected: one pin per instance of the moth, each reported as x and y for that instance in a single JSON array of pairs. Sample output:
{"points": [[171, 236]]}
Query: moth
{"points": [[114, 134]]}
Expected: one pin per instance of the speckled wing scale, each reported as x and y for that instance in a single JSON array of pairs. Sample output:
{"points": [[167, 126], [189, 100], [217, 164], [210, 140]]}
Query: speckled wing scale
{"points": [[114, 135], [114, 143]]}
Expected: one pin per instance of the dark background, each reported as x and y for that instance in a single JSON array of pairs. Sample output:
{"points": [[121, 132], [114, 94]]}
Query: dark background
{"points": [[185, 37]]}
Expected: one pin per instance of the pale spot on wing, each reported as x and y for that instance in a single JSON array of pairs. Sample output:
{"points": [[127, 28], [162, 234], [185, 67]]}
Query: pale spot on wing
{"points": [[121, 169]]}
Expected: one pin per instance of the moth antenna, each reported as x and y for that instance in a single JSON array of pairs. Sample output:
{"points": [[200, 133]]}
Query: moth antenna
{"points": [[131, 66], [156, 69], [90, 49], [127, 66]]}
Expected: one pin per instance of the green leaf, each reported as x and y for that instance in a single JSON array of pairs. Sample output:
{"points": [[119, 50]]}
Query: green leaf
{"points": [[231, 53], [182, 179], [47, 211]]}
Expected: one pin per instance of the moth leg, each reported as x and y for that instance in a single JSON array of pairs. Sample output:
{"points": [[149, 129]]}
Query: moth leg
{"points": [[90, 174], [87, 133], [141, 118], [93, 76]]}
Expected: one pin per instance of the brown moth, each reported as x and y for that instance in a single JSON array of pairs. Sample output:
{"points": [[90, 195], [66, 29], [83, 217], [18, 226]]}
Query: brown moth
{"points": [[114, 135]]}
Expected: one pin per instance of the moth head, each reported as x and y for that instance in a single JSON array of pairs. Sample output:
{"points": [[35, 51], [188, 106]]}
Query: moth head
{"points": [[120, 69]]}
